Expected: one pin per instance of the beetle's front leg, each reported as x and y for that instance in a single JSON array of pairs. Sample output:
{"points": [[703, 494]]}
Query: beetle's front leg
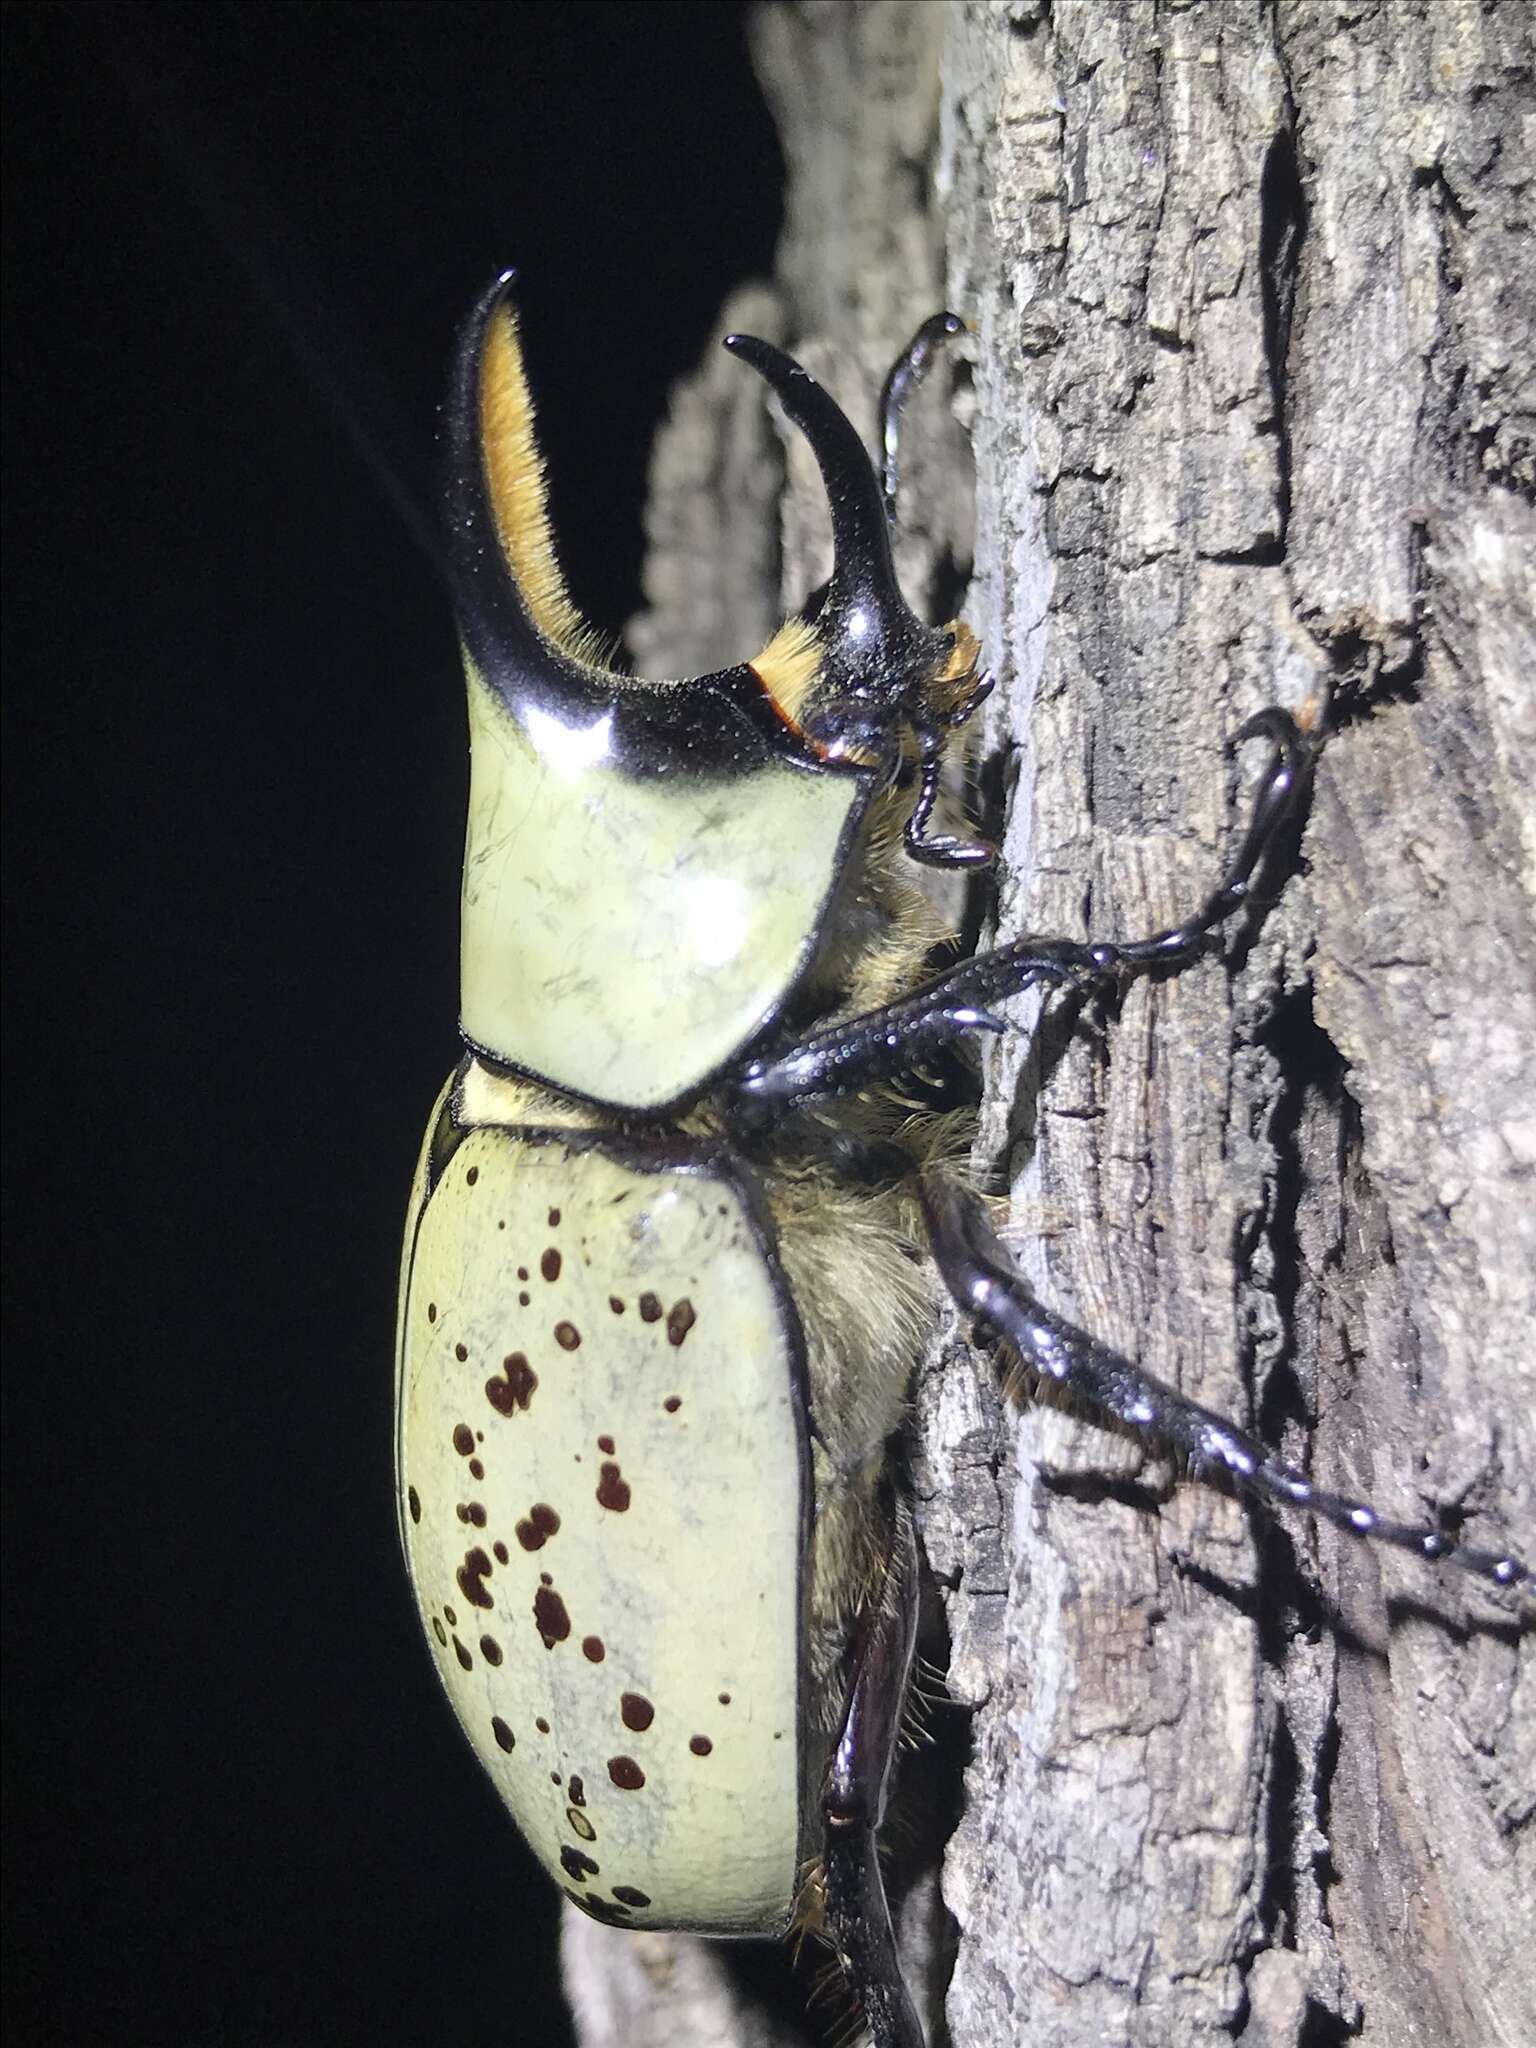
{"points": [[985, 1283], [858, 1919], [904, 1035]]}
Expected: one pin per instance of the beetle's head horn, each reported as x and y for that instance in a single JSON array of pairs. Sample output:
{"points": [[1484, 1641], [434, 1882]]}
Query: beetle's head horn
{"points": [[875, 652]]}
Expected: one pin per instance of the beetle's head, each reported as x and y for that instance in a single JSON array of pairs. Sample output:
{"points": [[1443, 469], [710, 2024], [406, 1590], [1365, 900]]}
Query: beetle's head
{"points": [[845, 683]]}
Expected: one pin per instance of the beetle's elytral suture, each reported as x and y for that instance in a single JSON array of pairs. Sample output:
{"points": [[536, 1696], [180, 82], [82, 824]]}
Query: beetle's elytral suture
{"points": [[689, 1204]]}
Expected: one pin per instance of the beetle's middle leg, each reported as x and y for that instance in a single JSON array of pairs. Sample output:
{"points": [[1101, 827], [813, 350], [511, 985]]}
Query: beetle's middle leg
{"points": [[987, 1284]]}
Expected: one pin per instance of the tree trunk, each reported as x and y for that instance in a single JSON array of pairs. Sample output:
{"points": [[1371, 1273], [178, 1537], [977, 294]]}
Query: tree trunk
{"points": [[1254, 292]]}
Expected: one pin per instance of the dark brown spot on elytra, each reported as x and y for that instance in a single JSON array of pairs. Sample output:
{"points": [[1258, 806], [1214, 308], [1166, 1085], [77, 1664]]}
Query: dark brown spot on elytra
{"points": [[450, 1617], [536, 1528], [471, 1576], [672, 1403], [578, 1791], [550, 1617], [605, 1443], [545, 1579], [542, 1725], [650, 1308], [612, 1491], [567, 1336], [476, 1514], [462, 1512], [472, 1176], [413, 1502], [522, 1272], [431, 1311], [554, 1777], [576, 1866], [700, 1745], [501, 1551], [461, 1352], [514, 1389], [439, 1631], [463, 1439], [680, 1321], [630, 1895], [615, 1304], [580, 1825], [724, 1698], [523, 1300], [505, 1739], [476, 1469], [636, 1711], [625, 1773], [490, 1649], [554, 1219], [593, 1649], [549, 1265], [598, 1909], [463, 1655]]}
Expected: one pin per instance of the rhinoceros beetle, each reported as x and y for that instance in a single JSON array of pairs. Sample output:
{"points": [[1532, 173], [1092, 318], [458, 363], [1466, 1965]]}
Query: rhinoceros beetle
{"points": [[685, 1211]]}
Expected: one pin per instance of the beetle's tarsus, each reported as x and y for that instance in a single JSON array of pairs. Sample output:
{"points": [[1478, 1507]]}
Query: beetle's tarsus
{"points": [[906, 373], [1278, 799], [942, 850], [986, 1284]]}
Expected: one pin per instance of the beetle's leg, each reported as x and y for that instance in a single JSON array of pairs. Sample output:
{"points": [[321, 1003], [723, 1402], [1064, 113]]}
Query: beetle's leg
{"points": [[905, 1034], [858, 1919], [906, 373], [942, 849], [986, 1283]]}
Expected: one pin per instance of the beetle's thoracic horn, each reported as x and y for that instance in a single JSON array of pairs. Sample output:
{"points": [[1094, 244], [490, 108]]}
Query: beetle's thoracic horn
{"points": [[508, 591]]}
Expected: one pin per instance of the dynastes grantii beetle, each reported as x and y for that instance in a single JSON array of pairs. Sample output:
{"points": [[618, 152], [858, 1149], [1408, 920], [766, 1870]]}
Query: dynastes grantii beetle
{"points": [[682, 1216]]}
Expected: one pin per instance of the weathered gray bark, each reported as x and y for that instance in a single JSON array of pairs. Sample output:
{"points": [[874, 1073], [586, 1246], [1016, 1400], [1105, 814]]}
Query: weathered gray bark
{"points": [[1255, 385]]}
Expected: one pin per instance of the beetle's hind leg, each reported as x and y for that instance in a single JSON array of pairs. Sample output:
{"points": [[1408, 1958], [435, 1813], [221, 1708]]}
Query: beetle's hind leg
{"points": [[857, 1916], [986, 1283]]}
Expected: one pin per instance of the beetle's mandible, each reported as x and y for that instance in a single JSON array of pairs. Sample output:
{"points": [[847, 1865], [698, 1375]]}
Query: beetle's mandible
{"points": [[687, 1204]]}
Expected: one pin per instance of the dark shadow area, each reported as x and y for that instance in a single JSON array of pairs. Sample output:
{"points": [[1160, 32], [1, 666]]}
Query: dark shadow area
{"points": [[238, 240]]}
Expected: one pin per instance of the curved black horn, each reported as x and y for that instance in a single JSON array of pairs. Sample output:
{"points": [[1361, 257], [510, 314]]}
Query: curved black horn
{"points": [[864, 621], [859, 532]]}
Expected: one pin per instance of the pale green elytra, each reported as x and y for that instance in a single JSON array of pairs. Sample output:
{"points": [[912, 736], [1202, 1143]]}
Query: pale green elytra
{"points": [[603, 1465]]}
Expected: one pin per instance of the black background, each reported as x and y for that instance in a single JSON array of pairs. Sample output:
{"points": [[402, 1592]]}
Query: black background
{"points": [[238, 240]]}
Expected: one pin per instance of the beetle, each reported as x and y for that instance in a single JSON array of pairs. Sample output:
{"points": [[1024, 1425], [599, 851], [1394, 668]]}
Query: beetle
{"points": [[687, 1205]]}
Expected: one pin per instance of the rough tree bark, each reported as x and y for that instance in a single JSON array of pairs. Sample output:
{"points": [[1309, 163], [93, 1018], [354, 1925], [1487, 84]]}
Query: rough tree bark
{"points": [[1254, 291]]}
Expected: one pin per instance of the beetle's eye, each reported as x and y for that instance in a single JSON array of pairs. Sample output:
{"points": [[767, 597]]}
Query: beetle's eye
{"points": [[852, 729]]}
